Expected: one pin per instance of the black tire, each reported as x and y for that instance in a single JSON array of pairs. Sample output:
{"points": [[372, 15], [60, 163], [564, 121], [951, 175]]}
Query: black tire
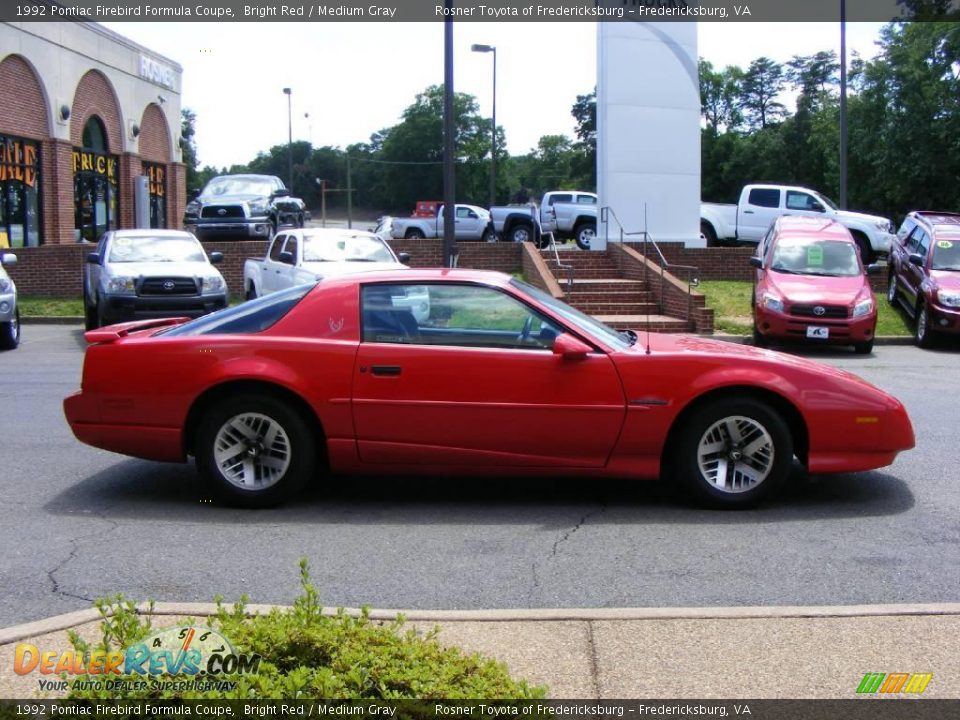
{"points": [[706, 229], [294, 446], [274, 226], [300, 221], [892, 289], [867, 256], [763, 446], [521, 232], [10, 332], [584, 233], [923, 334], [863, 348], [251, 293], [101, 318], [90, 319], [490, 235], [413, 234], [759, 339]]}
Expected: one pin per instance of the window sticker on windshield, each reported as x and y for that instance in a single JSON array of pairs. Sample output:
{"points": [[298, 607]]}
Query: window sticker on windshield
{"points": [[944, 244], [814, 255], [122, 241]]}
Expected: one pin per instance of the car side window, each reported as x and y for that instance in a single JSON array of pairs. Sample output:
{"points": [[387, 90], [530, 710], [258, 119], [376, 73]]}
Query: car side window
{"points": [[923, 242], [453, 316], [291, 247], [277, 247], [905, 228], [586, 200], [765, 245], [561, 198], [800, 201], [764, 197]]}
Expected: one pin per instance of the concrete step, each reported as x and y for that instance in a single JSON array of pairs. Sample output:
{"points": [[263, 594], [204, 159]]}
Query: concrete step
{"points": [[630, 296], [606, 285], [639, 323], [609, 308]]}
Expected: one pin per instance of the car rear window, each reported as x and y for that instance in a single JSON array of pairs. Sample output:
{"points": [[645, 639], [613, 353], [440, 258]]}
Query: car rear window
{"points": [[764, 197], [253, 316]]}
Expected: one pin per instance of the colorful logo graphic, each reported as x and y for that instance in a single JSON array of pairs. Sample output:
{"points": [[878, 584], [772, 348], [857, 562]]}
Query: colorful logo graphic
{"points": [[893, 683], [190, 652]]}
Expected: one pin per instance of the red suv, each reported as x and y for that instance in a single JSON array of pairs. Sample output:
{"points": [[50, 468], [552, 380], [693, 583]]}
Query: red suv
{"points": [[811, 285], [925, 273]]}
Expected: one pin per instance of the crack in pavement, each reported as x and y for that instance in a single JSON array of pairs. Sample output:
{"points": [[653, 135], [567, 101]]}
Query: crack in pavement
{"points": [[580, 523], [74, 542]]}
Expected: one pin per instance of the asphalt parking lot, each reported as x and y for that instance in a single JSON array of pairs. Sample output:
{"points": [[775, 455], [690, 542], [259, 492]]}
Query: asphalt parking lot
{"points": [[80, 523]]}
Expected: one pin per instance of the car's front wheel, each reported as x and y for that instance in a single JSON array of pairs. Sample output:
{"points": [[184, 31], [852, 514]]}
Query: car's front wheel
{"points": [[254, 450], [10, 332], [733, 453], [863, 348], [90, 319]]}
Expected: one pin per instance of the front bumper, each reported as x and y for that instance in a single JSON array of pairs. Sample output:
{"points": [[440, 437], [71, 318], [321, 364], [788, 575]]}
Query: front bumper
{"points": [[8, 306], [884, 241], [206, 227], [124, 308], [944, 319], [840, 331]]}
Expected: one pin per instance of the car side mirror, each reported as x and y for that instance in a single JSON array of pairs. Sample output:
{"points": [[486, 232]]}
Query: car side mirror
{"points": [[193, 194], [403, 257], [281, 193], [916, 259], [817, 207], [756, 262], [93, 258], [570, 348], [287, 257], [8, 259], [876, 268], [216, 257]]}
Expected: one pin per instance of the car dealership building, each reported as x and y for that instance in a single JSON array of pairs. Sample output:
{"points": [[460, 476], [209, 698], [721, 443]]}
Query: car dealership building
{"points": [[89, 135]]}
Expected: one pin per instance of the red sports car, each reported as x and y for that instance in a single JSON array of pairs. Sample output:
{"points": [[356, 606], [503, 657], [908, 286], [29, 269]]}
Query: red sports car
{"points": [[500, 378]]}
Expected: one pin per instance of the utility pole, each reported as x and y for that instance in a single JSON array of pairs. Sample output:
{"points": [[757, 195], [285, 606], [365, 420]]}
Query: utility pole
{"points": [[449, 177]]}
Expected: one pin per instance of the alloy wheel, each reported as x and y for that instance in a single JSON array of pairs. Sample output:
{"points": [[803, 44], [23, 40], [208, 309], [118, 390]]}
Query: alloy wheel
{"points": [[735, 454], [252, 451]]}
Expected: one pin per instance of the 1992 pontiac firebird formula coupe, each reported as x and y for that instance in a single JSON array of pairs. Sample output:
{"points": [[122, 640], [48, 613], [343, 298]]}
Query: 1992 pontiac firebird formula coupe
{"points": [[499, 378]]}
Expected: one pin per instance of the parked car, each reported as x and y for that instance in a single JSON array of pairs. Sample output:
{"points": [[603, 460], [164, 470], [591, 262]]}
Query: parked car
{"points": [[338, 377], [384, 228], [470, 223], [138, 274], [924, 273], [810, 285], [748, 220], [9, 310], [306, 256], [568, 214], [254, 206]]}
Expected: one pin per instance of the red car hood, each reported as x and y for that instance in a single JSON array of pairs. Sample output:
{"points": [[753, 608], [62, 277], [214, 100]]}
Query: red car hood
{"points": [[946, 279], [815, 288]]}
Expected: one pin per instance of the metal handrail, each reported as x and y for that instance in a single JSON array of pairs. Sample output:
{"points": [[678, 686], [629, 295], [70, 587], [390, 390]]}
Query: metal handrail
{"points": [[556, 255], [691, 270]]}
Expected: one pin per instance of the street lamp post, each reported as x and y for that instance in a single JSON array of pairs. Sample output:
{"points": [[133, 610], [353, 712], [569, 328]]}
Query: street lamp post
{"points": [[289, 93], [493, 122]]}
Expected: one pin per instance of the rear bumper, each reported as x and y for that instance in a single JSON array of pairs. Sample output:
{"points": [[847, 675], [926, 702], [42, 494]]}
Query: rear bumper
{"points": [[128, 307], [147, 442]]}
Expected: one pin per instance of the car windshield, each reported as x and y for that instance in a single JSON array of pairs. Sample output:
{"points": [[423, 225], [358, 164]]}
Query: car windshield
{"points": [[833, 258], [238, 186], [345, 248], [582, 322], [147, 248], [946, 253]]}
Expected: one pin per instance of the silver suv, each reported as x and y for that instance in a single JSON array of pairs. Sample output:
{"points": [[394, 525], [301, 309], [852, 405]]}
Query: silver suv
{"points": [[143, 274], [9, 312]]}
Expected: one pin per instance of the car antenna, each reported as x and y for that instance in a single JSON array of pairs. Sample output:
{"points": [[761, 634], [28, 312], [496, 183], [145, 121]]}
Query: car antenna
{"points": [[646, 236]]}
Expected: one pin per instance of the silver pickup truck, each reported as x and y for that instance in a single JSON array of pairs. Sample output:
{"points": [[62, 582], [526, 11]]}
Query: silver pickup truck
{"points": [[568, 214], [9, 312], [142, 274]]}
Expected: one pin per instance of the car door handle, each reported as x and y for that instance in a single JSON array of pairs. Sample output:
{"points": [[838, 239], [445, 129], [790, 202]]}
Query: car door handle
{"points": [[748, 212], [385, 370]]}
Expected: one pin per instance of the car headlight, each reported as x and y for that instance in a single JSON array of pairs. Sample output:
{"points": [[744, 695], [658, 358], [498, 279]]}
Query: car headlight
{"points": [[213, 284], [863, 307], [192, 208], [121, 285], [950, 298], [5, 285], [772, 302], [884, 226], [258, 207]]}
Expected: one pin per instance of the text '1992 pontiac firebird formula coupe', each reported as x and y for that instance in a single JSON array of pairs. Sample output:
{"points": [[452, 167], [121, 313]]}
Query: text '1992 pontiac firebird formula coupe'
{"points": [[499, 379]]}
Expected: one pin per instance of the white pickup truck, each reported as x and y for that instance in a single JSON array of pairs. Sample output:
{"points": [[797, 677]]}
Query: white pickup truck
{"points": [[749, 220], [470, 223], [568, 214], [307, 255]]}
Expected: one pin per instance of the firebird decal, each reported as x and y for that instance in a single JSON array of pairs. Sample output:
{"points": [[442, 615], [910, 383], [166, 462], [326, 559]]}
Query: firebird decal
{"points": [[335, 325]]}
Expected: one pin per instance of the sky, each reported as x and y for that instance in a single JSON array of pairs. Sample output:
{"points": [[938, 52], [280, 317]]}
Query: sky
{"points": [[350, 80]]}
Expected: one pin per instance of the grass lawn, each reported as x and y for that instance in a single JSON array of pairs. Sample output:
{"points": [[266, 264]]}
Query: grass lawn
{"points": [[36, 306], [730, 300]]}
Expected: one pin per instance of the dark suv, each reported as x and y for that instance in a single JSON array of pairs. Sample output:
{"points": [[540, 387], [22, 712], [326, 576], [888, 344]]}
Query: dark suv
{"points": [[925, 273], [251, 206]]}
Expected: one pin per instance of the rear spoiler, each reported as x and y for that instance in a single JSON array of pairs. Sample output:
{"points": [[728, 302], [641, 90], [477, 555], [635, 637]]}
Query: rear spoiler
{"points": [[111, 333]]}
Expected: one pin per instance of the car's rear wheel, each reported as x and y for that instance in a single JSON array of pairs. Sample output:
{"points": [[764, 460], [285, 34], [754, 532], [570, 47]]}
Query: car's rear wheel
{"points": [[254, 450], [10, 332], [584, 234], [892, 289], [251, 293], [521, 233], [733, 453], [922, 332], [708, 234], [414, 234]]}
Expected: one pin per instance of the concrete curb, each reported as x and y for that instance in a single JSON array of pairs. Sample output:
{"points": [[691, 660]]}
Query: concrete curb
{"points": [[18, 633]]}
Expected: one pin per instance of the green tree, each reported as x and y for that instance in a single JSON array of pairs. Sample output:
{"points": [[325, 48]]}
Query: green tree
{"points": [[188, 147], [760, 87], [583, 167]]}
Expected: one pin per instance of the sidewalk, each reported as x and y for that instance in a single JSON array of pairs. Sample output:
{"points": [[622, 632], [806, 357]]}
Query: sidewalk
{"points": [[724, 653]]}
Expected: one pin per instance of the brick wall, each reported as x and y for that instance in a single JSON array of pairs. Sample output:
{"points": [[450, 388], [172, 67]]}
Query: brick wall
{"points": [[504, 257], [24, 111]]}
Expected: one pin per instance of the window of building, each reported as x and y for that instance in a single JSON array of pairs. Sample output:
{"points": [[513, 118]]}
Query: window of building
{"points": [[19, 192], [95, 184]]}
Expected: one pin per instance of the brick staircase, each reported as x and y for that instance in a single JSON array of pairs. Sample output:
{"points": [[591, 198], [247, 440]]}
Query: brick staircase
{"points": [[600, 290]]}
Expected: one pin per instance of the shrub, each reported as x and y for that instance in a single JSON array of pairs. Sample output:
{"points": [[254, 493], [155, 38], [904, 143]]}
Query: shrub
{"points": [[306, 654]]}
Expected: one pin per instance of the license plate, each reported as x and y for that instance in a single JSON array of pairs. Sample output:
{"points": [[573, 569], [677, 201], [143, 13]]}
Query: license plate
{"points": [[819, 333]]}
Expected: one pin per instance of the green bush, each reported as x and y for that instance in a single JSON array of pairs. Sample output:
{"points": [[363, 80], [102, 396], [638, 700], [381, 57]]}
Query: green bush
{"points": [[309, 655]]}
